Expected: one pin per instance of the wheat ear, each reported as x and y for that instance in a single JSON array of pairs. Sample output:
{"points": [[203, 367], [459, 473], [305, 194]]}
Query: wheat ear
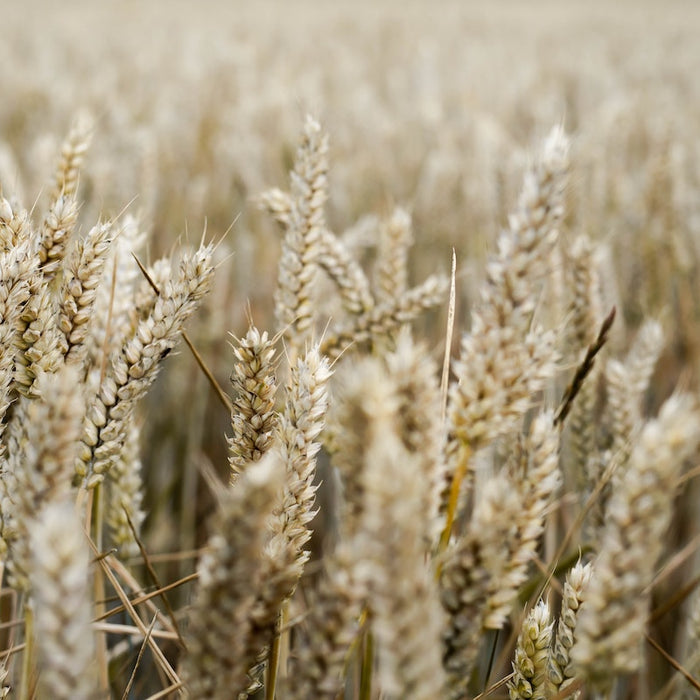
{"points": [[332, 625], [611, 626], [82, 275], [61, 601], [504, 361], [14, 225], [300, 247], [397, 572], [254, 384], [471, 569], [560, 672], [42, 441], [296, 446], [531, 653], [230, 574], [134, 367], [56, 231], [534, 475], [73, 152], [124, 513]]}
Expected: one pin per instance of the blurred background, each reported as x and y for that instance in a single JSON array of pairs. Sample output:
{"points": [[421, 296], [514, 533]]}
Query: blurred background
{"points": [[433, 106]]}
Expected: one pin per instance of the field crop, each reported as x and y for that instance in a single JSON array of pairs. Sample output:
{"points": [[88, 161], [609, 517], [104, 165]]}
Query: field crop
{"points": [[349, 350]]}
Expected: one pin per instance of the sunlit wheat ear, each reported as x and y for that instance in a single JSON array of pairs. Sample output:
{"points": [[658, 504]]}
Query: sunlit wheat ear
{"points": [[61, 600], [402, 592], [17, 267], [560, 673], [472, 568], [231, 573], [626, 384], [254, 385], [331, 626], [383, 319], [82, 275], [337, 262], [42, 441], [14, 225], [361, 386], [39, 347], [334, 258], [115, 308], [125, 494], [296, 444], [133, 368], [531, 653], [294, 303], [504, 361], [56, 230], [611, 625], [534, 475], [391, 271], [73, 151], [419, 421]]}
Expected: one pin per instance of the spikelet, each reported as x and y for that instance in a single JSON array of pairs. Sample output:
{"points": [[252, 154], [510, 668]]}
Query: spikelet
{"points": [[419, 421], [230, 574], [361, 384], [125, 494], [42, 442], [560, 673], [73, 152], [337, 262], [61, 599], [116, 304], [627, 383], [332, 625], [474, 563], [296, 445], [300, 246], [38, 341], [17, 268], [611, 626], [385, 318], [134, 367], [534, 475], [81, 279], [254, 382], [531, 653], [14, 225], [56, 231], [396, 238], [298, 429], [396, 569], [504, 361]]}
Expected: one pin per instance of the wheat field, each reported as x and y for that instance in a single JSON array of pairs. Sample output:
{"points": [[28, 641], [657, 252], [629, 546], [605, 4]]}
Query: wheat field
{"points": [[349, 350]]}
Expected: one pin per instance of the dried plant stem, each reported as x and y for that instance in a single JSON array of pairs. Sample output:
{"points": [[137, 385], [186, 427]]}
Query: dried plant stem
{"points": [[26, 681], [367, 669], [273, 659], [98, 586], [584, 369]]}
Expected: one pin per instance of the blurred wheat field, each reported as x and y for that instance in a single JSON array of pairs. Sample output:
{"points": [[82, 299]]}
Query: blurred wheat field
{"points": [[319, 505]]}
